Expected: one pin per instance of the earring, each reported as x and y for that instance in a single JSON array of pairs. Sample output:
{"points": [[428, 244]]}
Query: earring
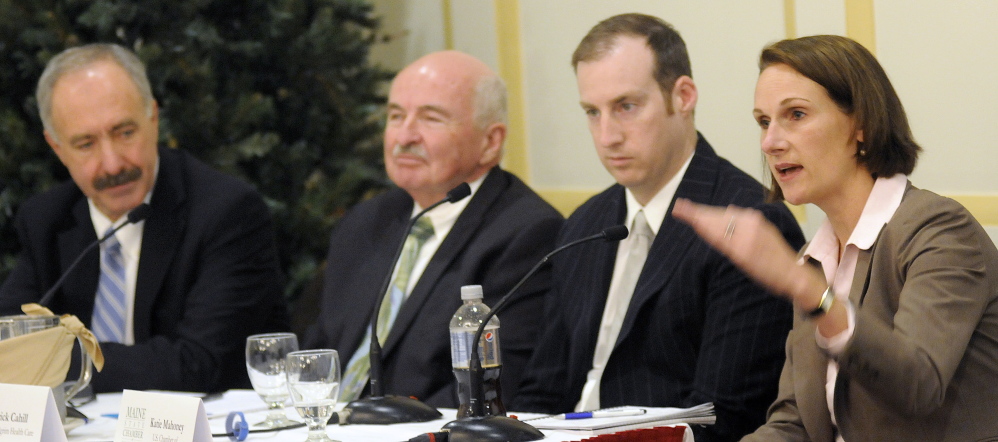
{"points": [[862, 152]]}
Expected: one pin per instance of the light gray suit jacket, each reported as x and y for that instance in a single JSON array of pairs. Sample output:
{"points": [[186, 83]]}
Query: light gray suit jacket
{"points": [[923, 361]]}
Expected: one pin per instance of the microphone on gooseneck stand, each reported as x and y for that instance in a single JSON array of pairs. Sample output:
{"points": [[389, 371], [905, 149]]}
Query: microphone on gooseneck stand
{"points": [[137, 214], [378, 408], [479, 427]]}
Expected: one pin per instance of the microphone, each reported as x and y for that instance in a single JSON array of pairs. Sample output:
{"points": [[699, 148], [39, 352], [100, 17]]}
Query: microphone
{"points": [[456, 194], [137, 214], [479, 427], [378, 408]]}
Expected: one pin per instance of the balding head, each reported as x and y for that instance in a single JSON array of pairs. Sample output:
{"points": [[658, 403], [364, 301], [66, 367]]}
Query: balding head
{"points": [[471, 77], [446, 124]]}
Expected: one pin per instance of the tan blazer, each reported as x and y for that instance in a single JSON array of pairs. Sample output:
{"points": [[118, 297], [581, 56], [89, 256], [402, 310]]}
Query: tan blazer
{"points": [[923, 361]]}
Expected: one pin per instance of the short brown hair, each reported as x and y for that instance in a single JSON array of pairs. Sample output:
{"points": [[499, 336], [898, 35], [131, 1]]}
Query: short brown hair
{"points": [[671, 58], [857, 83]]}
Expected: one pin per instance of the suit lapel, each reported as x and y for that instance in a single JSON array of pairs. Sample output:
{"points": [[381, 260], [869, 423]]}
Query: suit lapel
{"points": [[664, 259], [592, 268], [864, 265], [364, 300], [80, 286], [465, 228], [674, 238], [861, 278], [161, 235]]}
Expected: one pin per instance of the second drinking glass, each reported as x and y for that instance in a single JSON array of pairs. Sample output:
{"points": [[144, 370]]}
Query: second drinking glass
{"points": [[314, 382]]}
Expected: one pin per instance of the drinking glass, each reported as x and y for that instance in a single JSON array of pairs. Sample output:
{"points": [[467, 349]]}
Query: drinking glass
{"points": [[314, 383], [265, 359]]}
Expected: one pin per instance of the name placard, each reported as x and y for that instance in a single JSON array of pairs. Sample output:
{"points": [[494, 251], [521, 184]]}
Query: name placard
{"points": [[161, 417], [28, 414]]}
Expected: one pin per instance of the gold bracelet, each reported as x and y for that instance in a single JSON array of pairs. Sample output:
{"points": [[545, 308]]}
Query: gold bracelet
{"points": [[827, 299]]}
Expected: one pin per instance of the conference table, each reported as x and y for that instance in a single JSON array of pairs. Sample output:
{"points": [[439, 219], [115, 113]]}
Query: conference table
{"points": [[101, 423]]}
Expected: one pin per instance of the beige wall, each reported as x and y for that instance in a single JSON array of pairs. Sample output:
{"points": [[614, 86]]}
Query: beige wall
{"points": [[416, 27], [941, 57]]}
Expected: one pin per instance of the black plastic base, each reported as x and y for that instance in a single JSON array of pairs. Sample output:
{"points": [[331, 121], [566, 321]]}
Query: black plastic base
{"points": [[491, 428], [386, 410]]}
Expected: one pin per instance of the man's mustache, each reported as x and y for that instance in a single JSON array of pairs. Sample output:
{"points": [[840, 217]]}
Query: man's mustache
{"points": [[123, 177], [409, 149]]}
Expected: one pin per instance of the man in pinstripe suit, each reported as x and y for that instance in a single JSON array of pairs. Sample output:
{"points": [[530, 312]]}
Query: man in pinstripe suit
{"points": [[659, 319]]}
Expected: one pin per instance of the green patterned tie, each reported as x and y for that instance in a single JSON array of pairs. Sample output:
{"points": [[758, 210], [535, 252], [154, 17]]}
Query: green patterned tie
{"points": [[357, 372]]}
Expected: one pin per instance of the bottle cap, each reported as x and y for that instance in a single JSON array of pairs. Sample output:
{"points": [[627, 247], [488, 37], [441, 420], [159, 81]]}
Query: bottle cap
{"points": [[471, 292]]}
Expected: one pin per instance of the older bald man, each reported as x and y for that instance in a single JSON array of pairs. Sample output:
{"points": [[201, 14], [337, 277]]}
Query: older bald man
{"points": [[446, 123]]}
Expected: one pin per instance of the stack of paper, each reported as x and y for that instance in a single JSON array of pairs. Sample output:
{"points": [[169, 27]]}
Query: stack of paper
{"points": [[702, 414]]}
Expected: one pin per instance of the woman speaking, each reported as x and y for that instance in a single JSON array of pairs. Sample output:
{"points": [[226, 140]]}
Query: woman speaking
{"points": [[896, 336]]}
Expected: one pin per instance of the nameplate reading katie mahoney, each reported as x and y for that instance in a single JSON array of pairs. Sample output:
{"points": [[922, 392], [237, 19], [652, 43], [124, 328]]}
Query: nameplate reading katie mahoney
{"points": [[28, 414], [161, 417]]}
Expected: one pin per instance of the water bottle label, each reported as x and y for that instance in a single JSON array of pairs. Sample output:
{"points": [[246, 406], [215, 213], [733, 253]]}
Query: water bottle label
{"points": [[490, 348], [459, 345]]}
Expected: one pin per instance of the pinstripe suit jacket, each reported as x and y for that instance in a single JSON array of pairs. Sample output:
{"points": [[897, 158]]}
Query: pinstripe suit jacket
{"points": [[696, 329]]}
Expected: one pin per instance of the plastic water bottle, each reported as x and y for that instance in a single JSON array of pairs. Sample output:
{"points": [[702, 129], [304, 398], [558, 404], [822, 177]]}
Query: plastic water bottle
{"points": [[463, 326]]}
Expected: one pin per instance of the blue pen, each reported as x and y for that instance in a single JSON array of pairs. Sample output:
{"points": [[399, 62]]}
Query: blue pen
{"points": [[110, 415], [601, 413]]}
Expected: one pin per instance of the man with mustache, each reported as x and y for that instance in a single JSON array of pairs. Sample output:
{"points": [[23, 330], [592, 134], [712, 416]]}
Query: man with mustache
{"points": [[446, 124], [109, 181], [171, 298]]}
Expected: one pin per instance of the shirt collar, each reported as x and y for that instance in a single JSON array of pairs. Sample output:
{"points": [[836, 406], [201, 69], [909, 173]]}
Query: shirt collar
{"points": [[657, 207], [884, 200]]}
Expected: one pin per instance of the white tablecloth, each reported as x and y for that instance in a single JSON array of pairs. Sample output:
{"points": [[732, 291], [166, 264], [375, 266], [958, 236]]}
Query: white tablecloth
{"points": [[101, 426]]}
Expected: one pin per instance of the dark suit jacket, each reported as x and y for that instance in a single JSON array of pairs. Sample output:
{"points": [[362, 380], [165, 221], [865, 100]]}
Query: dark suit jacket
{"points": [[207, 278], [696, 329], [922, 363], [504, 230]]}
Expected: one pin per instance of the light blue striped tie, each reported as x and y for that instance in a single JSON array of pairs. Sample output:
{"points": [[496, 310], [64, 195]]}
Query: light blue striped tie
{"points": [[108, 321]]}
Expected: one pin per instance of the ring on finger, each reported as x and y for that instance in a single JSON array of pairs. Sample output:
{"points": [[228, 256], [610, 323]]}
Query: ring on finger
{"points": [[730, 230]]}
